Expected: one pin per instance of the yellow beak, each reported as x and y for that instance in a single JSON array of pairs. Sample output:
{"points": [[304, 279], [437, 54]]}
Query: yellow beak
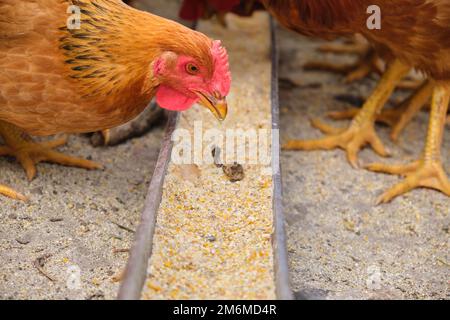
{"points": [[215, 103]]}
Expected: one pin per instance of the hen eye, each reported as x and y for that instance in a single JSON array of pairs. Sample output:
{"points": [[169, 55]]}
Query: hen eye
{"points": [[191, 68]]}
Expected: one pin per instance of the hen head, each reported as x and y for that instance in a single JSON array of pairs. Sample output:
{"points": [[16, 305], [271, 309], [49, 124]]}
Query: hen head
{"points": [[185, 80]]}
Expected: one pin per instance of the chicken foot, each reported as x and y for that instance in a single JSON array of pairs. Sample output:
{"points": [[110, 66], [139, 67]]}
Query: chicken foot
{"points": [[398, 118], [367, 62], [427, 172], [18, 144], [362, 129], [10, 193]]}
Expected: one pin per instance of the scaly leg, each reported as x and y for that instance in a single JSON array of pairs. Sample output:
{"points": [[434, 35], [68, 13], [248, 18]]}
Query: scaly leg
{"points": [[12, 193], [389, 117], [106, 136], [398, 118], [427, 172], [367, 62], [361, 131], [18, 144], [357, 45], [411, 107]]}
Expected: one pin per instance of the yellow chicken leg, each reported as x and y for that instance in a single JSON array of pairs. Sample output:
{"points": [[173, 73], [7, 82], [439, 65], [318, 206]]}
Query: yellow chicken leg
{"points": [[6, 191], [362, 130], [427, 172], [409, 109], [367, 62], [399, 117], [106, 136], [18, 144], [389, 117]]}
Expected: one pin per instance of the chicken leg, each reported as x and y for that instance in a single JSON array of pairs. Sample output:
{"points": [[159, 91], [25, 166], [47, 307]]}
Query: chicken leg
{"points": [[399, 117], [18, 144], [428, 171], [362, 130], [6, 191], [367, 61]]}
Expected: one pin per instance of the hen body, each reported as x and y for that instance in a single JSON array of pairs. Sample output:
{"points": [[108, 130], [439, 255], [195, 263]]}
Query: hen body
{"points": [[414, 31], [53, 79], [70, 66]]}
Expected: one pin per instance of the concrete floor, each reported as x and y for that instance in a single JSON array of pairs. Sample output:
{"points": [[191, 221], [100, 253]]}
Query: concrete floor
{"points": [[340, 245]]}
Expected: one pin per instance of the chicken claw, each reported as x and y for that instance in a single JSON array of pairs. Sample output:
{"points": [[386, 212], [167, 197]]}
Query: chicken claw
{"points": [[399, 117], [352, 140], [427, 172], [361, 131], [389, 117], [29, 153], [6, 191], [367, 62], [354, 71]]}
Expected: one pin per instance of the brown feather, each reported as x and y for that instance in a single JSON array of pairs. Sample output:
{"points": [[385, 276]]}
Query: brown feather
{"points": [[54, 80], [414, 31]]}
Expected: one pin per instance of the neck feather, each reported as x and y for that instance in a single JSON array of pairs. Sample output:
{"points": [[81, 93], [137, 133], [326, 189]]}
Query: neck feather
{"points": [[318, 17], [116, 45]]}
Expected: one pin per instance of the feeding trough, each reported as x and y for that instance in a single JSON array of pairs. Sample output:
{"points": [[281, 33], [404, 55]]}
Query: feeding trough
{"points": [[213, 225]]}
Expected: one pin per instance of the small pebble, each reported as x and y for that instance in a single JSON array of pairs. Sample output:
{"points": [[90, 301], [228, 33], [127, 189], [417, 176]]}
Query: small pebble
{"points": [[234, 172], [24, 240], [37, 191]]}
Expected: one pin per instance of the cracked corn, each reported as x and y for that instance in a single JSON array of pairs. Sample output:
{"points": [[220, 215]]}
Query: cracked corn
{"points": [[213, 236]]}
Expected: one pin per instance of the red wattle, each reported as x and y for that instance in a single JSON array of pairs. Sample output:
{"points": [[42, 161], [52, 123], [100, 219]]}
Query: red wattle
{"points": [[171, 99]]}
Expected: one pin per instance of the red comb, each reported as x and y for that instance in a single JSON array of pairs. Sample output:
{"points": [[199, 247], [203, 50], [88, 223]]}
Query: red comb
{"points": [[222, 75]]}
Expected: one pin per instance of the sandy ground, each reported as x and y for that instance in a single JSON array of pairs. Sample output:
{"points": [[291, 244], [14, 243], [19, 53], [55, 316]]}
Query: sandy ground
{"points": [[75, 221], [78, 218], [341, 245]]}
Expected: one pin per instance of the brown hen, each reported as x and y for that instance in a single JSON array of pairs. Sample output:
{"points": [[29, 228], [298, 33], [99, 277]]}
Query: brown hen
{"points": [[69, 66]]}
